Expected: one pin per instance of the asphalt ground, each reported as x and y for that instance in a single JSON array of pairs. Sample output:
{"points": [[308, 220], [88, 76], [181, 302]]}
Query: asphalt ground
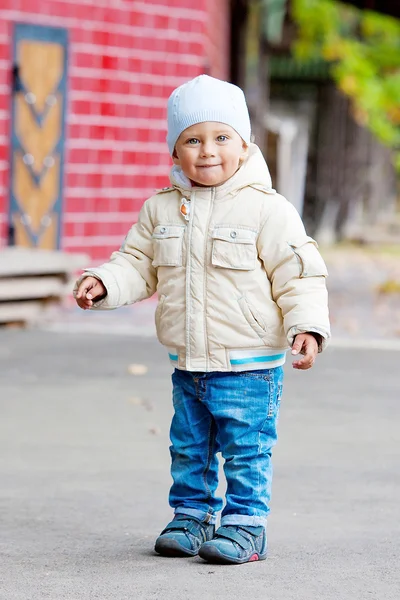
{"points": [[84, 477]]}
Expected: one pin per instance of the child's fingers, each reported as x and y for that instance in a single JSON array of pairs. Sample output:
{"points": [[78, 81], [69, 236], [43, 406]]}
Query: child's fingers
{"points": [[298, 344], [88, 288], [84, 303], [310, 352], [83, 288], [305, 363], [96, 290], [83, 295], [88, 291]]}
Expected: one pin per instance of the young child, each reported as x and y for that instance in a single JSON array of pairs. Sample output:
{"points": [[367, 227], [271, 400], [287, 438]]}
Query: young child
{"points": [[238, 282]]}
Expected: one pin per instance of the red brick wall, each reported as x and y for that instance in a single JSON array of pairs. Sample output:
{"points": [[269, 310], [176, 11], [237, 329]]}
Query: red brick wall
{"points": [[125, 58]]}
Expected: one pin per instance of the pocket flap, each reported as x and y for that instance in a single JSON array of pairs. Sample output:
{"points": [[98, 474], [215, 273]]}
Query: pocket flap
{"points": [[168, 231], [311, 262], [300, 242], [236, 235]]}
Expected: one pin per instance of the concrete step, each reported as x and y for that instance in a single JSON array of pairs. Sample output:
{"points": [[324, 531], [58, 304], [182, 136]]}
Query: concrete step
{"points": [[26, 261], [33, 280], [24, 288]]}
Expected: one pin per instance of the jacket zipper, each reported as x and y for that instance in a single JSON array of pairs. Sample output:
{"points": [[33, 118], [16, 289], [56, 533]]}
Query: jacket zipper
{"points": [[188, 278], [213, 192]]}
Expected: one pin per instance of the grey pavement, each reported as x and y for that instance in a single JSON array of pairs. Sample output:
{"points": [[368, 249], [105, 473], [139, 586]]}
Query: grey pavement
{"points": [[84, 477]]}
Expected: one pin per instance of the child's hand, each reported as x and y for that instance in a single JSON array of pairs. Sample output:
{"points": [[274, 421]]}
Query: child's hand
{"points": [[305, 343], [90, 290]]}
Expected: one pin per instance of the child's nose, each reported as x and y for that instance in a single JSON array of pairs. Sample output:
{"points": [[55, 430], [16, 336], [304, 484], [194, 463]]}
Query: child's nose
{"points": [[208, 149]]}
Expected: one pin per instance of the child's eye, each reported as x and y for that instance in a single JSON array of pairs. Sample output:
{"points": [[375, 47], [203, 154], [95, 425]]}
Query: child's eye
{"points": [[222, 138], [193, 141]]}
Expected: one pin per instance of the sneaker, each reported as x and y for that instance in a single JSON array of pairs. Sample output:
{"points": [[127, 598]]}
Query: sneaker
{"points": [[235, 545], [183, 536]]}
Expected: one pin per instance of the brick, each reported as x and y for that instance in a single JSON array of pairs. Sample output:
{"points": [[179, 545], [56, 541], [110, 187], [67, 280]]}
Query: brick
{"points": [[81, 107], [76, 205], [98, 253], [187, 71], [4, 175], [130, 205], [3, 205], [191, 25], [86, 60], [4, 153], [78, 156], [102, 204], [69, 229], [5, 51], [102, 228]]}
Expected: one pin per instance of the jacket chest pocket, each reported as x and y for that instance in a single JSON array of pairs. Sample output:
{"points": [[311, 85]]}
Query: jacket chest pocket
{"points": [[167, 245], [234, 248]]}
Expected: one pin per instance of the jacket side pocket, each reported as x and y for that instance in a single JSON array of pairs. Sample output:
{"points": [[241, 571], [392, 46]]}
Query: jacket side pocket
{"points": [[253, 318]]}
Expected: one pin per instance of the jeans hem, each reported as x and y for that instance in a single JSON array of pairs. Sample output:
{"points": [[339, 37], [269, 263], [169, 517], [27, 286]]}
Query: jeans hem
{"points": [[249, 520], [202, 515]]}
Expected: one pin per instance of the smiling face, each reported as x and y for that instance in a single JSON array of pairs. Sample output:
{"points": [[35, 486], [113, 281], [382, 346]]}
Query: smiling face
{"points": [[209, 153]]}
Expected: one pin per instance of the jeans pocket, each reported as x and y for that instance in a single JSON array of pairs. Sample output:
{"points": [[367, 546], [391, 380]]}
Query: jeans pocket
{"points": [[263, 374]]}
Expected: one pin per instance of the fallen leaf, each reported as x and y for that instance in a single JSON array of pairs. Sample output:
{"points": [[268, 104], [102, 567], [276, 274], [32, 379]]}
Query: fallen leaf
{"points": [[155, 430], [136, 369], [136, 401]]}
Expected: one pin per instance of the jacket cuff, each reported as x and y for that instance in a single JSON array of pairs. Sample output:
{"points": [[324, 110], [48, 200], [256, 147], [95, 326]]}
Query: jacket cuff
{"points": [[322, 339], [112, 298]]}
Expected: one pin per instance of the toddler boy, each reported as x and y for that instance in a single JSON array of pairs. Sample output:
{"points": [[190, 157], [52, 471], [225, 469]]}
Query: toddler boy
{"points": [[238, 282]]}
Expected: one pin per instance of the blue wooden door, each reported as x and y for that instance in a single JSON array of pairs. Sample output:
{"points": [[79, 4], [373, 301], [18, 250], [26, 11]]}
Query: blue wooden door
{"points": [[37, 135]]}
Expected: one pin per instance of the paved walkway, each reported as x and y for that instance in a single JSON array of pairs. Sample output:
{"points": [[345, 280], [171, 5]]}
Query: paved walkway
{"points": [[364, 291], [84, 473]]}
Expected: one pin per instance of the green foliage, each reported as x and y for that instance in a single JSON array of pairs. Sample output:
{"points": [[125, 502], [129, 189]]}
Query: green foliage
{"points": [[363, 49]]}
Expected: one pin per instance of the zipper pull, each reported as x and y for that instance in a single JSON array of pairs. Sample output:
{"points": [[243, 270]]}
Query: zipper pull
{"points": [[185, 208]]}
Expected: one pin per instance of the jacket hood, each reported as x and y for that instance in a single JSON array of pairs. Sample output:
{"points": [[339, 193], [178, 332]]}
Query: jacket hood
{"points": [[254, 171]]}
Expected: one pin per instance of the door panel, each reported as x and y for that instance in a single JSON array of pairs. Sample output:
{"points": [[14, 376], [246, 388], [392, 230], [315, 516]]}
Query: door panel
{"points": [[38, 126]]}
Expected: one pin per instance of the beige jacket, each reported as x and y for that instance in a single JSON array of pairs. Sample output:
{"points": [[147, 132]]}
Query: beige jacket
{"points": [[236, 279]]}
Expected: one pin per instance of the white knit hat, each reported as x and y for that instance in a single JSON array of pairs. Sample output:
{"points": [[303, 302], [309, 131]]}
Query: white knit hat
{"points": [[207, 99]]}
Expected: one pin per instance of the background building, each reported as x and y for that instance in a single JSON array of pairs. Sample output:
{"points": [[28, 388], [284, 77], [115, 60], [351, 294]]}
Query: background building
{"points": [[83, 89]]}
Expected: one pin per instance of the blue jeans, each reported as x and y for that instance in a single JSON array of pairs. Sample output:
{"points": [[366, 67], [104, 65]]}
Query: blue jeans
{"points": [[234, 413]]}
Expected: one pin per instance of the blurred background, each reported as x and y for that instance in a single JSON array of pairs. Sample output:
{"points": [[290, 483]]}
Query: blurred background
{"points": [[83, 90]]}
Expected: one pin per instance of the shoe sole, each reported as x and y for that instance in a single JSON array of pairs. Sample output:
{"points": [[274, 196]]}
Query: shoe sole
{"points": [[213, 555], [172, 549]]}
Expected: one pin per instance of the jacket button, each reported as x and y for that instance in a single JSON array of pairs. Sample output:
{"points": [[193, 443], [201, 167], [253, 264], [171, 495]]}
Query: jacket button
{"points": [[163, 229], [233, 234]]}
